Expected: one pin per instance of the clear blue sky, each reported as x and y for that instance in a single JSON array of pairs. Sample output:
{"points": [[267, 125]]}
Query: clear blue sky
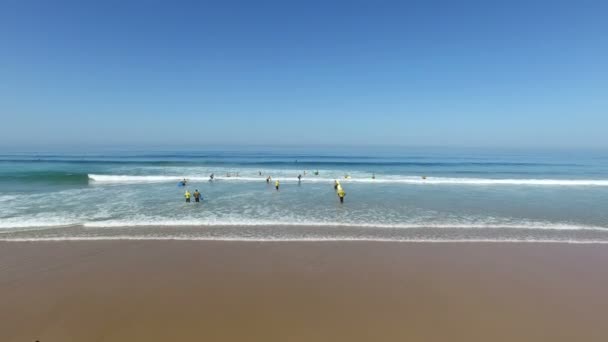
{"points": [[472, 73]]}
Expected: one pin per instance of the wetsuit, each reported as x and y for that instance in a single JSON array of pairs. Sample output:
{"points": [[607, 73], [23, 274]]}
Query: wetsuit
{"points": [[341, 194]]}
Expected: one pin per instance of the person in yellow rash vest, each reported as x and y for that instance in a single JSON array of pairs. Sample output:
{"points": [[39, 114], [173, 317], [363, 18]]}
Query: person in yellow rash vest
{"points": [[187, 195], [341, 193], [276, 184]]}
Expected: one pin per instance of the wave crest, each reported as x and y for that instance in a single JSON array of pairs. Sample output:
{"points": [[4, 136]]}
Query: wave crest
{"points": [[389, 179]]}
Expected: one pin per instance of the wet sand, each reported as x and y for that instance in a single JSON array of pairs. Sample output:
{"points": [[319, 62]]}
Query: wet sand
{"points": [[302, 291]]}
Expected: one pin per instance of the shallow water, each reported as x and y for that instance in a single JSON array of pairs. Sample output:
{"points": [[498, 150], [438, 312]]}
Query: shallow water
{"points": [[417, 194]]}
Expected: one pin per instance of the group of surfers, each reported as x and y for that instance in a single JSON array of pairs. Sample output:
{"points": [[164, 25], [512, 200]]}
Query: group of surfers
{"points": [[197, 195]]}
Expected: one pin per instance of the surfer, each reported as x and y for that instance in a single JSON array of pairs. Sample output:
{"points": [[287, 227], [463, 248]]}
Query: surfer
{"points": [[183, 182], [197, 196], [317, 173], [187, 195], [373, 176], [260, 173], [336, 184], [211, 177], [268, 179], [341, 193], [299, 178], [276, 185]]}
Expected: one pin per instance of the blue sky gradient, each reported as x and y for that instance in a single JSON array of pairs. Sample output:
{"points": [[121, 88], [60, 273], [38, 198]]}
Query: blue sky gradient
{"points": [[438, 73]]}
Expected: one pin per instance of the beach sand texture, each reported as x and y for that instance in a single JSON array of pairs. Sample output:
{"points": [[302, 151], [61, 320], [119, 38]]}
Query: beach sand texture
{"points": [[302, 291]]}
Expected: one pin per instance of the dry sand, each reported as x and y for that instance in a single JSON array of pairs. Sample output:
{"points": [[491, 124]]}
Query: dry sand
{"points": [[302, 291]]}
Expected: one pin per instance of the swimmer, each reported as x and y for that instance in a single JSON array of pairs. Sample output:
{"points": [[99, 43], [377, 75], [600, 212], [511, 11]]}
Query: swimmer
{"points": [[276, 185], [187, 195]]}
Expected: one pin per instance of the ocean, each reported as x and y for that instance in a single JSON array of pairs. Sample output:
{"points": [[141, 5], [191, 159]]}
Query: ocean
{"points": [[392, 194]]}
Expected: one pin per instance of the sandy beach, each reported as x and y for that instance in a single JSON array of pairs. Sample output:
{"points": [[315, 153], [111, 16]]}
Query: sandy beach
{"points": [[301, 291]]}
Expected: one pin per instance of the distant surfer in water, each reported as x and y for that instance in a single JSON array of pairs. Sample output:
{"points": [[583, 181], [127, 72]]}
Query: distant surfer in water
{"points": [[373, 176], [183, 182], [187, 195], [299, 178], [317, 173], [341, 193], [268, 179], [211, 177]]}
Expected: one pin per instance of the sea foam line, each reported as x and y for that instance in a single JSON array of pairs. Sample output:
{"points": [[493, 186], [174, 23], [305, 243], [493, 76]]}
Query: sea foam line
{"points": [[211, 224], [294, 239], [532, 225], [97, 178]]}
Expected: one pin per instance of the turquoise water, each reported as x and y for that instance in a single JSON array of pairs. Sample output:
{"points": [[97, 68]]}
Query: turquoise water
{"points": [[417, 194]]}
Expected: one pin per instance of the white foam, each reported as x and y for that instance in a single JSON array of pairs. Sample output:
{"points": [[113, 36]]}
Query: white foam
{"points": [[8, 198], [294, 239], [143, 221], [36, 223], [270, 223], [389, 179]]}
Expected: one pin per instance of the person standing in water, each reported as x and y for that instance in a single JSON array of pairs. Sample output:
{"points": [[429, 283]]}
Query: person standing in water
{"points": [[187, 195], [341, 194], [268, 179], [211, 177], [276, 185], [197, 196], [336, 184], [299, 178]]}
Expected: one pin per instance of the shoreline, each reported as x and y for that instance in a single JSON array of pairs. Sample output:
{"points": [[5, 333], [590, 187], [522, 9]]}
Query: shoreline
{"points": [[271, 241], [311, 232], [301, 291]]}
